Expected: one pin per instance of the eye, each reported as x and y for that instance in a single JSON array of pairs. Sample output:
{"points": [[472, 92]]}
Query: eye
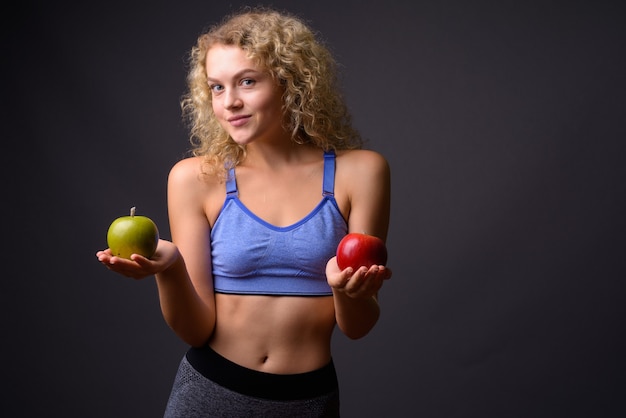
{"points": [[247, 82], [216, 88]]}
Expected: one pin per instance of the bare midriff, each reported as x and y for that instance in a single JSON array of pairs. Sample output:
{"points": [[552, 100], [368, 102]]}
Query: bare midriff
{"points": [[274, 334]]}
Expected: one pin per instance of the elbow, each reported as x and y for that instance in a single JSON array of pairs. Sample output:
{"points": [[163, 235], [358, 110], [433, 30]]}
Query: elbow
{"points": [[358, 331], [195, 341], [356, 335], [194, 336]]}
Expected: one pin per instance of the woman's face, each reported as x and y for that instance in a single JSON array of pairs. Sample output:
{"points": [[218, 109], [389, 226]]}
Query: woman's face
{"points": [[246, 99]]}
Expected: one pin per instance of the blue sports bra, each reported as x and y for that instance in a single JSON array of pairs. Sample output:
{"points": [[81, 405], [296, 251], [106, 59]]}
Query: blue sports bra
{"points": [[252, 256]]}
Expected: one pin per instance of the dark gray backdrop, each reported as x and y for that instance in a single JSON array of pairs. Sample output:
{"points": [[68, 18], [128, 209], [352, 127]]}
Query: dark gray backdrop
{"points": [[504, 126]]}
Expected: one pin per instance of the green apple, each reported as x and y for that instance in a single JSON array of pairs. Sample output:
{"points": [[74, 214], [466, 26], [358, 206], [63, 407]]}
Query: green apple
{"points": [[133, 235]]}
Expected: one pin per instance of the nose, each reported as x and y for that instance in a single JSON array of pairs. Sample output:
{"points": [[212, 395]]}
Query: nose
{"points": [[232, 99]]}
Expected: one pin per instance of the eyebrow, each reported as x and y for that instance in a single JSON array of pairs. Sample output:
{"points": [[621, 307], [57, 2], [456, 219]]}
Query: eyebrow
{"points": [[238, 74]]}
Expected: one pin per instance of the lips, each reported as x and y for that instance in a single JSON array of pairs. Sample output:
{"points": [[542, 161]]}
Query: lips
{"points": [[238, 120]]}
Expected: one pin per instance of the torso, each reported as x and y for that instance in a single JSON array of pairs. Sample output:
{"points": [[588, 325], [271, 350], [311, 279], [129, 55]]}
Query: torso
{"points": [[276, 334]]}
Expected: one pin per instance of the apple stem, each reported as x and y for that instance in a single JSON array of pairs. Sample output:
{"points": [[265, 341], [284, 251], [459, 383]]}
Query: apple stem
{"points": [[132, 211]]}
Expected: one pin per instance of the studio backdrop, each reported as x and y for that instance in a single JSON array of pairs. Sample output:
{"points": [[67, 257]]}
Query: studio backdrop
{"points": [[503, 123]]}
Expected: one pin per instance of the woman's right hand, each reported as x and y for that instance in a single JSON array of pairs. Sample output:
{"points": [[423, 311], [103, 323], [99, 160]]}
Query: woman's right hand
{"points": [[139, 267]]}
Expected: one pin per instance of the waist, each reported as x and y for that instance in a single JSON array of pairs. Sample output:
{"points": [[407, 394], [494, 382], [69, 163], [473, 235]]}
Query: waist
{"points": [[251, 382], [276, 334]]}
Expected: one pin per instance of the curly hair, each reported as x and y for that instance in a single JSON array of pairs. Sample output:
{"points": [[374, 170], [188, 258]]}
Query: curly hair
{"points": [[283, 45]]}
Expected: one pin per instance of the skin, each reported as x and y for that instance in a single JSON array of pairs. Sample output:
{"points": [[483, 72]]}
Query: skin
{"points": [[280, 181]]}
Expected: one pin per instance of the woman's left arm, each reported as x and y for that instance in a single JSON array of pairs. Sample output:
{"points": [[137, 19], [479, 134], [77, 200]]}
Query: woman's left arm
{"points": [[367, 180]]}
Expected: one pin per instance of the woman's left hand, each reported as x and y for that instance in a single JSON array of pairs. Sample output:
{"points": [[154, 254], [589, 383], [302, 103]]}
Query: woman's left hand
{"points": [[363, 282]]}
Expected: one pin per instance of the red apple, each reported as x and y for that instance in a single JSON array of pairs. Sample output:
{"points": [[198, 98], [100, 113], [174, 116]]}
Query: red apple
{"points": [[356, 250], [133, 234]]}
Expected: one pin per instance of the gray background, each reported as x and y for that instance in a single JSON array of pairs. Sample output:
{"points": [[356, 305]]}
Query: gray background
{"points": [[504, 126]]}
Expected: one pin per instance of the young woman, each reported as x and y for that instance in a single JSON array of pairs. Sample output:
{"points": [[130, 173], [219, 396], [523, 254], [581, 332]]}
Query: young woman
{"points": [[250, 279]]}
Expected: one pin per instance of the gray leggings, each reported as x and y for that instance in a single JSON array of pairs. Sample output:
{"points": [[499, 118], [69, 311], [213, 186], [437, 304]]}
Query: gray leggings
{"points": [[194, 395]]}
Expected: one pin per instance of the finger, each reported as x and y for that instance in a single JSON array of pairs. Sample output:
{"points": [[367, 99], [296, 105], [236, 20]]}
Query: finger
{"points": [[341, 279], [356, 280], [367, 283], [385, 272]]}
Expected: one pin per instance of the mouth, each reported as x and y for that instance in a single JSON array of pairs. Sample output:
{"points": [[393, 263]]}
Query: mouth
{"points": [[238, 120]]}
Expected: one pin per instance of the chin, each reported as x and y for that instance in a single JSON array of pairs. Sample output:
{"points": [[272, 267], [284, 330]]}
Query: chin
{"points": [[242, 141]]}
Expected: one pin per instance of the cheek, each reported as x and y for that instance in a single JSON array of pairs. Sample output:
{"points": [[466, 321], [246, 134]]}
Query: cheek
{"points": [[215, 105], [272, 106], [218, 112]]}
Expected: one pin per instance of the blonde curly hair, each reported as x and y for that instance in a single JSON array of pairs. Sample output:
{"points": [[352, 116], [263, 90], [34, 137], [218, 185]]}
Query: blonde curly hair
{"points": [[282, 44]]}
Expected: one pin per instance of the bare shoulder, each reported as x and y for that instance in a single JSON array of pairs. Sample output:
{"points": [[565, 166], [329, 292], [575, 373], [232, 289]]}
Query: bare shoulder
{"points": [[362, 163], [362, 179], [190, 190], [185, 170], [188, 172], [363, 190]]}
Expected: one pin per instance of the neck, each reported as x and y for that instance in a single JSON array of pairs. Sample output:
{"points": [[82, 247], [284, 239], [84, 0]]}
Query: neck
{"points": [[278, 154]]}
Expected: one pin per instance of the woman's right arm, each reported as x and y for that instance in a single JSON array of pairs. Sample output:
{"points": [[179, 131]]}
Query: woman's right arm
{"points": [[182, 267], [186, 286]]}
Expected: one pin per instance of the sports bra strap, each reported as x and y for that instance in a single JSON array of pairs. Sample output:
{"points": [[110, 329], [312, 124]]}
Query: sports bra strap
{"points": [[328, 188], [231, 183], [329, 173]]}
